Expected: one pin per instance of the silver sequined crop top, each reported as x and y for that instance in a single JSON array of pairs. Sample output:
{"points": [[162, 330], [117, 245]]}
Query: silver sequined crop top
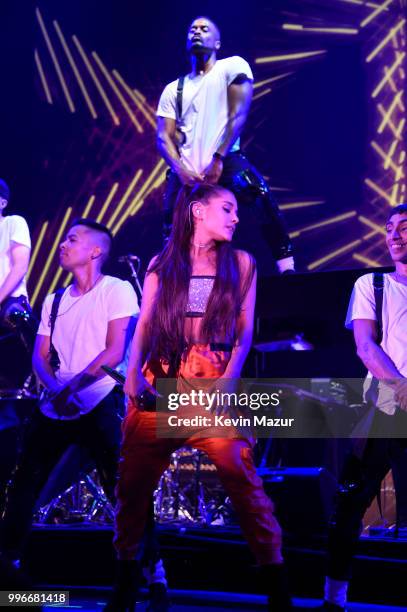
{"points": [[200, 288]]}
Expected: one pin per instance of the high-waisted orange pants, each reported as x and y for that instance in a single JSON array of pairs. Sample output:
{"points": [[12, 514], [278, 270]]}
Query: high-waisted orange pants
{"points": [[144, 457]]}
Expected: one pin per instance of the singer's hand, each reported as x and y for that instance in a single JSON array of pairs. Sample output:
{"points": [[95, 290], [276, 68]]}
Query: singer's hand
{"points": [[135, 386]]}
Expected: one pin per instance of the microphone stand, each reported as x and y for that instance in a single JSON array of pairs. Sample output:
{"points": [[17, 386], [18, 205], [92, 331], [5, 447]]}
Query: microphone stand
{"points": [[129, 259]]}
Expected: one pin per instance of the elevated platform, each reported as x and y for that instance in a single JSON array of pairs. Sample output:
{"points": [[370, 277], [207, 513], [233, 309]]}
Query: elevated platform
{"points": [[215, 559]]}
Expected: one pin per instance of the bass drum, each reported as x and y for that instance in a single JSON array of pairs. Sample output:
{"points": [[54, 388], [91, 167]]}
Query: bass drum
{"points": [[190, 491]]}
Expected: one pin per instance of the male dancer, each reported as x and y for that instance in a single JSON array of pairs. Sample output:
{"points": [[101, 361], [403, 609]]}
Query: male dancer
{"points": [[91, 327], [200, 118], [15, 245], [15, 248], [386, 386]]}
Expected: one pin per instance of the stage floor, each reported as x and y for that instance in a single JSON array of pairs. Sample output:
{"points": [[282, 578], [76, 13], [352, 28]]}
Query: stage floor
{"points": [[214, 560], [197, 601]]}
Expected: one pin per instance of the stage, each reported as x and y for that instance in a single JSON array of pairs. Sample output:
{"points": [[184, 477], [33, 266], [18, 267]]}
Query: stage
{"points": [[212, 568], [209, 565], [314, 163]]}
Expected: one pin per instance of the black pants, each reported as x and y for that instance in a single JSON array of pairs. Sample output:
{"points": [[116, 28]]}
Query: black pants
{"points": [[45, 441], [251, 190], [8, 457], [359, 484]]}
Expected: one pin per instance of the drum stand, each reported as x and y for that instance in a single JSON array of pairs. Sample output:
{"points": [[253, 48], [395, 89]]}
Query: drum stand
{"points": [[84, 501], [189, 502]]}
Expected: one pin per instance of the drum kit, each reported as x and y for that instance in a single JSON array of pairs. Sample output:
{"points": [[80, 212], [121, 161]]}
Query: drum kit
{"points": [[188, 492]]}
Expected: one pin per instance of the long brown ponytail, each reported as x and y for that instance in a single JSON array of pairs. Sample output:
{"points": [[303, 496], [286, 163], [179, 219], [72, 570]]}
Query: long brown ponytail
{"points": [[173, 268]]}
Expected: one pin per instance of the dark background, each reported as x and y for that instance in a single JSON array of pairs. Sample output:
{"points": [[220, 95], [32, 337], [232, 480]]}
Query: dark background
{"points": [[309, 136]]}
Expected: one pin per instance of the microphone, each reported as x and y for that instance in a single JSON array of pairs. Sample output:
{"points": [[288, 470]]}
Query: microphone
{"points": [[129, 257]]}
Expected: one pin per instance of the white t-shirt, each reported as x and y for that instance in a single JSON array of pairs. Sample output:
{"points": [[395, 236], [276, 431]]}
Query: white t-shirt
{"points": [[204, 110], [13, 230], [394, 314], [80, 332]]}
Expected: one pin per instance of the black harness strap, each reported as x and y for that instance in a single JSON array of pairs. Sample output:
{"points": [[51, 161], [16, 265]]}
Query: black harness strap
{"points": [[378, 284], [54, 357], [178, 107]]}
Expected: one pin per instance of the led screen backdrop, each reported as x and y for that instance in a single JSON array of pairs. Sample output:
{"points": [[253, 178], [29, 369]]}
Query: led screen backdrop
{"points": [[327, 124]]}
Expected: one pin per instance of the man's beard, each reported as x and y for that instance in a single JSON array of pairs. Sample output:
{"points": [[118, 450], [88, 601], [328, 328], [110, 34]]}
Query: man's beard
{"points": [[199, 49]]}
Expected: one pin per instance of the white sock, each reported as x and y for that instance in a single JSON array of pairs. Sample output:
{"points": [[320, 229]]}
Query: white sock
{"points": [[155, 573], [287, 263], [336, 591]]}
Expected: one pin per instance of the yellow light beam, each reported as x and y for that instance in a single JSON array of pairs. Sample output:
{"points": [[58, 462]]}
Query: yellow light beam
{"points": [[148, 109], [336, 219], [158, 181], [401, 127], [389, 112], [378, 190], [333, 254], [384, 156], [394, 194], [375, 13], [152, 176], [55, 61], [262, 93], [116, 90], [287, 57], [272, 80], [142, 99], [141, 96], [68, 279], [399, 59], [51, 255], [293, 205], [124, 198], [96, 81], [396, 131], [300, 28], [394, 89], [42, 77], [107, 202], [55, 280], [372, 263], [363, 2], [88, 207], [391, 82], [135, 99], [378, 228], [75, 70], [37, 248], [370, 235], [136, 199], [390, 154], [393, 32]]}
